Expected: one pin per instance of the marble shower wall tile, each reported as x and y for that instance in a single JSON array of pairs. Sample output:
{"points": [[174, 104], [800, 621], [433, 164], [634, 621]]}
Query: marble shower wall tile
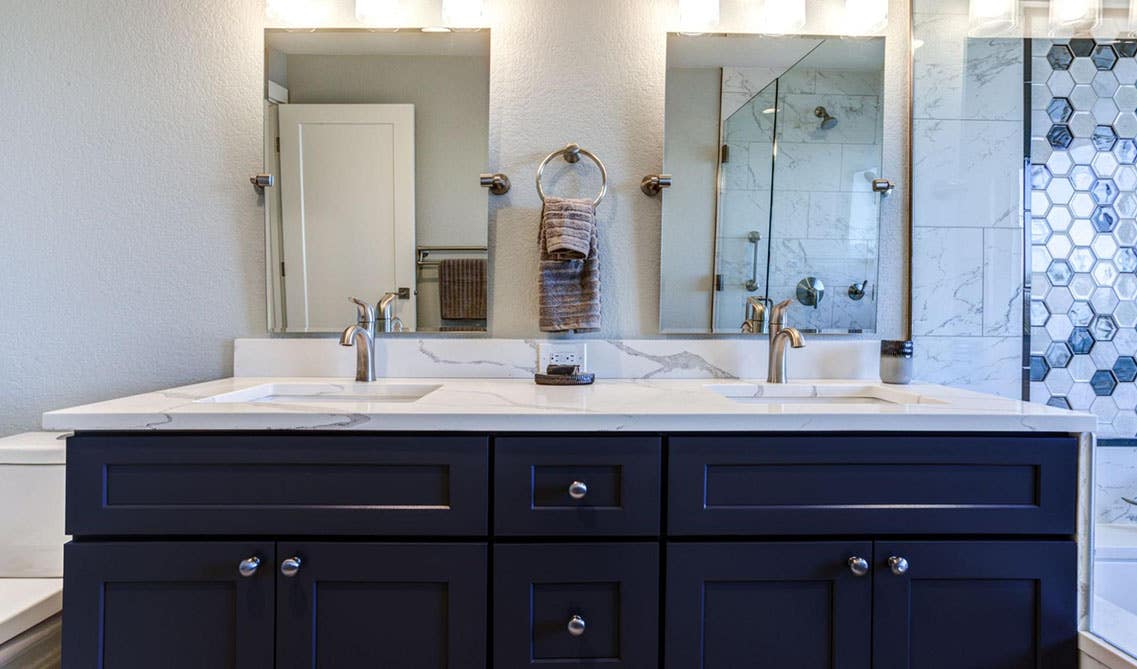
{"points": [[1003, 277], [947, 282], [1116, 478], [983, 364], [967, 173]]}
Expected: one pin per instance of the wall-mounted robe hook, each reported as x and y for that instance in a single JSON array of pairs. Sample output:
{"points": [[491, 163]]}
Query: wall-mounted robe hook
{"points": [[262, 181], [497, 183], [653, 184]]}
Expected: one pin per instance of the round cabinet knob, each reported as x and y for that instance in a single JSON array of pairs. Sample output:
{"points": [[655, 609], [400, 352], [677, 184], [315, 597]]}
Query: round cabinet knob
{"points": [[898, 565], [249, 566], [578, 490], [859, 566], [290, 566], [576, 626]]}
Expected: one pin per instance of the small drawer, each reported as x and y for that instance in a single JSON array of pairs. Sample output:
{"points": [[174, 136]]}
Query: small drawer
{"points": [[274, 484], [577, 486], [576, 605], [872, 484]]}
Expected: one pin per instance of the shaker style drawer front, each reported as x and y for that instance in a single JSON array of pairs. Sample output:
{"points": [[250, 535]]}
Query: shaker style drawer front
{"points": [[866, 484], [577, 486], [257, 484], [576, 605]]}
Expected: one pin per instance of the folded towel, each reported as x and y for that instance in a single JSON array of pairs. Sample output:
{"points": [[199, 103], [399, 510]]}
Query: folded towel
{"points": [[567, 225], [462, 288], [569, 287]]}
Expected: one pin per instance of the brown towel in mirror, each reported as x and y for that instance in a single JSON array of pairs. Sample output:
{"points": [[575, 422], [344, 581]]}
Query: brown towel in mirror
{"points": [[462, 288]]}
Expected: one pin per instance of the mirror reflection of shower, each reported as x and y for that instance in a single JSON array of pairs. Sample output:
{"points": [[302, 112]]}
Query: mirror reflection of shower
{"points": [[828, 121]]}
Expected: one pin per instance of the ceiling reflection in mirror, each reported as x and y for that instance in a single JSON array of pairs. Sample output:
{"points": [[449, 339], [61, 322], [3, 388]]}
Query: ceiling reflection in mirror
{"points": [[376, 141], [774, 144]]}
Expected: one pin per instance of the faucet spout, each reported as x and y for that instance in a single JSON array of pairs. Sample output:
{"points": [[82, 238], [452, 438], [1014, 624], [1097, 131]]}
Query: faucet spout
{"points": [[364, 342], [780, 334]]}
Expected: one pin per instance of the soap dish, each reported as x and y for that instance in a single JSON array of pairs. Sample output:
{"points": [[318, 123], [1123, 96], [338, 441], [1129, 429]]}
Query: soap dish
{"points": [[564, 375]]}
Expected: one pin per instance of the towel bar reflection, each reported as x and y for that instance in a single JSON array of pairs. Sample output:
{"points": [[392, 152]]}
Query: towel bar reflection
{"points": [[422, 253], [572, 154]]}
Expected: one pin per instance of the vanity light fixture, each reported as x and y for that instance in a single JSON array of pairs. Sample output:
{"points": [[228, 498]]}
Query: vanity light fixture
{"points": [[1074, 17], [698, 16], [866, 17], [992, 18], [306, 13], [782, 17], [463, 13]]}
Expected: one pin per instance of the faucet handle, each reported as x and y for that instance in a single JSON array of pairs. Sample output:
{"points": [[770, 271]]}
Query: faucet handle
{"points": [[365, 313], [778, 312]]}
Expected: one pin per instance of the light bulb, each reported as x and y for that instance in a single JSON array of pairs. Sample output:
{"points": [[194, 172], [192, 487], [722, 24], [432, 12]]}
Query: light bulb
{"points": [[463, 13], [865, 17], [780, 17], [698, 15], [1069, 17], [380, 12], [992, 18], [307, 13]]}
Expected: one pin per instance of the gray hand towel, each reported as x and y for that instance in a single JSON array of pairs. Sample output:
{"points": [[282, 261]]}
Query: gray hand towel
{"points": [[569, 287], [462, 288]]}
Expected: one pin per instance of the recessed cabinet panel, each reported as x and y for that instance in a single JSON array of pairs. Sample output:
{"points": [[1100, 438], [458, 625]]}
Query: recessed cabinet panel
{"points": [[871, 484], [796, 605], [579, 486], [396, 606], [176, 605], [576, 605], [277, 484], [946, 605]]}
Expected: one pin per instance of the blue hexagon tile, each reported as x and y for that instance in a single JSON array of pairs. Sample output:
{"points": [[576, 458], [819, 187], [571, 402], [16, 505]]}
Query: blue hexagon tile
{"points": [[1083, 216]]}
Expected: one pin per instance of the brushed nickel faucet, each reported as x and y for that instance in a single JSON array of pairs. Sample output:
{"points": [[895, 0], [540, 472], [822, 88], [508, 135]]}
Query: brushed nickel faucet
{"points": [[362, 336], [755, 321], [385, 304], [780, 333]]}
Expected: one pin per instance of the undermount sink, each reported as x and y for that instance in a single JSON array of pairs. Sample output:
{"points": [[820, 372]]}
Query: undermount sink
{"points": [[307, 393], [819, 393]]}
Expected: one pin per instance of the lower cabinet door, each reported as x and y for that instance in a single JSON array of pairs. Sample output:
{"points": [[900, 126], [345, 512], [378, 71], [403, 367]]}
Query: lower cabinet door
{"points": [[741, 605], [396, 606], [975, 605], [576, 605], [135, 605]]}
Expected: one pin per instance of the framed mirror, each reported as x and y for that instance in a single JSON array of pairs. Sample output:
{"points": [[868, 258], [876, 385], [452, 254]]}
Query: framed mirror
{"points": [[375, 142], [774, 144]]}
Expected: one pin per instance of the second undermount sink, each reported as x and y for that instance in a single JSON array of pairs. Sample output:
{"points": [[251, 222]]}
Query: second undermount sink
{"points": [[819, 393], [309, 393]]}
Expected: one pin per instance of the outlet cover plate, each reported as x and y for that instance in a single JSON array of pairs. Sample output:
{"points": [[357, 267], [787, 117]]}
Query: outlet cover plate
{"points": [[561, 353]]}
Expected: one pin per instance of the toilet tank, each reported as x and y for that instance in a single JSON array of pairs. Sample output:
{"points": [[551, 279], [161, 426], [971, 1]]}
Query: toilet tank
{"points": [[31, 505]]}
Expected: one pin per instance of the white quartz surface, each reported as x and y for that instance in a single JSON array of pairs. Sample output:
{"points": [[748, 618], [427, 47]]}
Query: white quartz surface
{"points": [[673, 405]]}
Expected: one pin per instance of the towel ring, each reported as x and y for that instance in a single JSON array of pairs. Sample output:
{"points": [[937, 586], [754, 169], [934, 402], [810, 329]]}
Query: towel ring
{"points": [[572, 154]]}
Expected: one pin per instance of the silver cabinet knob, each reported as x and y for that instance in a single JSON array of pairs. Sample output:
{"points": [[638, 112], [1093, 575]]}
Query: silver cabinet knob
{"points": [[578, 490], [290, 566], [858, 565], [249, 566], [898, 565], [576, 626]]}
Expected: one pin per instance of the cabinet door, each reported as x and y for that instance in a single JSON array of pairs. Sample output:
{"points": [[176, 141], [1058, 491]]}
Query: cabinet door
{"points": [[135, 605], [396, 606], [741, 605], [975, 605], [576, 605]]}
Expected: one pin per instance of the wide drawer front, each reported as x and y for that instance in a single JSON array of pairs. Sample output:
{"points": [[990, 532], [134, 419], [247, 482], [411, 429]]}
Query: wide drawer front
{"points": [[271, 484], [577, 485], [879, 484]]}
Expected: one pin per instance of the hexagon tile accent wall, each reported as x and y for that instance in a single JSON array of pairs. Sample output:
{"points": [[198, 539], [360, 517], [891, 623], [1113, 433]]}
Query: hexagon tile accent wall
{"points": [[1083, 212]]}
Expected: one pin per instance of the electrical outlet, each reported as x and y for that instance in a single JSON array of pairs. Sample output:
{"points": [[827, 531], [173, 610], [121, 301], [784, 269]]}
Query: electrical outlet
{"points": [[556, 353]]}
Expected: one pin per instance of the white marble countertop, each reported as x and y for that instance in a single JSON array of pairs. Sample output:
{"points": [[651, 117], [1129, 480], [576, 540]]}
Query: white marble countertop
{"points": [[493, 405]]}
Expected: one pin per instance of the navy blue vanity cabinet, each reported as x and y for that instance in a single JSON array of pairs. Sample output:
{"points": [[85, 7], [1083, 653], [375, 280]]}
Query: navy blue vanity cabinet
{"points": [[576, 605], [396, 606], [169, 604], [806, 605], [577, 485], [975, 604]]}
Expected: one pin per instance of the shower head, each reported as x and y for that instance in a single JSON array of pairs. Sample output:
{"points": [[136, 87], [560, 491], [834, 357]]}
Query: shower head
{"points": [[828, 122]]}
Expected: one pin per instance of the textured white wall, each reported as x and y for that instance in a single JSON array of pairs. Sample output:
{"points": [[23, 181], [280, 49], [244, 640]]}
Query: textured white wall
{"points": [[131, 243]]}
